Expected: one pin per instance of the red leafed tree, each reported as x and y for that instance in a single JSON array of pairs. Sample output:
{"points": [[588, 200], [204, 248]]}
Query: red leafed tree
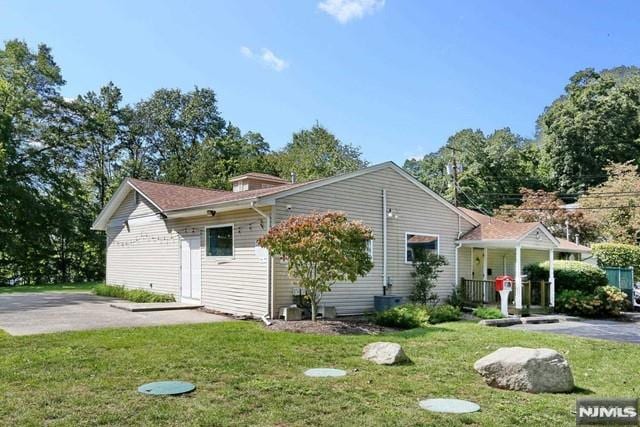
{"points": [[321, 249]]}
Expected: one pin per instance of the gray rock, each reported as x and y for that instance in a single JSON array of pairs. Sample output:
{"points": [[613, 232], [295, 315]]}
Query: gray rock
{"points": [[384, 353], [535, 370]]}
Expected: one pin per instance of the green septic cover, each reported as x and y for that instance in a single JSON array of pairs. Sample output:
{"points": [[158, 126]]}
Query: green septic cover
{"points": [[162, 388], [325, 372], [451, 406]]}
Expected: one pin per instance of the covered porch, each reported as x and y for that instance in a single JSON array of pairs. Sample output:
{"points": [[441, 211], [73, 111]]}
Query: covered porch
{"points": [[496, 248], [480, 262]]}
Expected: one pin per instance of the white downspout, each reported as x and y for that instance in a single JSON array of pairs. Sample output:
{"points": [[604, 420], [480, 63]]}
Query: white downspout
{"points": [[384, 241], [457, 278], [269, 267]]}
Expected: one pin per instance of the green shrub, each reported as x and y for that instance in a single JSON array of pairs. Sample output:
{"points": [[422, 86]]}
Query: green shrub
{"points": [[135, 295], [569, 275], [455, 299], [488, 313], [605, 301], [617, 255], [444, 313], [407, 316], [427, 267]]}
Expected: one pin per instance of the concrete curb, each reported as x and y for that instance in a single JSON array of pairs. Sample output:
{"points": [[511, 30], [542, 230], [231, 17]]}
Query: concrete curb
{"points": [[160, 306], [533, 320]]}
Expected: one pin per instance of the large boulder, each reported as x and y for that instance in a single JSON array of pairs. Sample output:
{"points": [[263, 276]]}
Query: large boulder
{"points": [[384, 353], [535, 370]]}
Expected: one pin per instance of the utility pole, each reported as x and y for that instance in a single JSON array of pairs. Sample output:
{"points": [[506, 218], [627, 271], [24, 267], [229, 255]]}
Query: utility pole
{"points": [[455, 180], [454, 174]]}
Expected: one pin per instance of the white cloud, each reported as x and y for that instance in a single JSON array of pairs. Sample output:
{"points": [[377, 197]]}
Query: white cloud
{"points": [[273, 61], [266, 57], [246, 52], [347, 10]]}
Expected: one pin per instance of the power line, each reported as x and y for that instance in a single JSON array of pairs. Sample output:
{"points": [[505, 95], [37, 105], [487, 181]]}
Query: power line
{"points": [[473, 202], [565, 209], [567, 194]]}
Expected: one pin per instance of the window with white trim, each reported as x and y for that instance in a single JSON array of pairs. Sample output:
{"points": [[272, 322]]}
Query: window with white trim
{"points": [[416, 243], [220, 241]]}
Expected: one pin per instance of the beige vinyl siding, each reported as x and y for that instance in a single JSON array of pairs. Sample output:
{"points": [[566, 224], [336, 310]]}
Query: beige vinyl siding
{"points": [[465, 266], [237, 285], [360, 198], [534, 243], [143, 254]]}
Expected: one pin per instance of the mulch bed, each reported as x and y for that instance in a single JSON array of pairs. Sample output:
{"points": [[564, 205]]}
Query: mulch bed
{"points": [[330, 327]]}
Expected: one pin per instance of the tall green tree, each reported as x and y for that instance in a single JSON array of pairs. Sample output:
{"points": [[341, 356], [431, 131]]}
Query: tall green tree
{"points": [[316, 153], [491, 167], [173, 125], [38, 161], [229, 155], [596, 121], [100, 128]]}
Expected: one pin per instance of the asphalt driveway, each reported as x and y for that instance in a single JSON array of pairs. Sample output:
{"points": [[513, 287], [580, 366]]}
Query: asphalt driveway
{"points": [[601, 329], [37, 313]]}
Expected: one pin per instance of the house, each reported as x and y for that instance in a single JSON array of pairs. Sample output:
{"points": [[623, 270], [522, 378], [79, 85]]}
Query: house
{"points": [[200, 244]]}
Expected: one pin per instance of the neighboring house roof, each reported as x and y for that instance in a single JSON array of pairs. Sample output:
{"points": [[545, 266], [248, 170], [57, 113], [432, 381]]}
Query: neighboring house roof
{"points": [[178, 200], [567, 246], [495, 229], [257, 175]]}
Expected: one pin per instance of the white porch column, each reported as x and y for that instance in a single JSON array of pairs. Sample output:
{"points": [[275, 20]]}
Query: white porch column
{"points": [[518, 272], [552, 281], [485, 287]]}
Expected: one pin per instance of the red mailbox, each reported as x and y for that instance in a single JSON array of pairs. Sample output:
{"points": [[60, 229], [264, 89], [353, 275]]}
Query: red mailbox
{"points": [[504, 283]]}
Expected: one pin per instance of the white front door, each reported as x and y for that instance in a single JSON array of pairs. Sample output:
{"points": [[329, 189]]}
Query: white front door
{"points": [[191, 274]]}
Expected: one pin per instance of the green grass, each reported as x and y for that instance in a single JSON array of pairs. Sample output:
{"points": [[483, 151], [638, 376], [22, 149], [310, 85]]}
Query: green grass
{"points": [[135, 295], [57, 287], [248, 376]]}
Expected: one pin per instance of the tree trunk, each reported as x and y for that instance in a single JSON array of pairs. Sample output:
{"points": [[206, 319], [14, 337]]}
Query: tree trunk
{"points": [[314, 309]]}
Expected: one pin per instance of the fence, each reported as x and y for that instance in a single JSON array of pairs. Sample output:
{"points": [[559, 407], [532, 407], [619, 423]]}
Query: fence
{"points": [[622, 278]]}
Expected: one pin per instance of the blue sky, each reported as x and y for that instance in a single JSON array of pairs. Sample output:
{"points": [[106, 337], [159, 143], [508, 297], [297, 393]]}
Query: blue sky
{"points": [[394, 77]]}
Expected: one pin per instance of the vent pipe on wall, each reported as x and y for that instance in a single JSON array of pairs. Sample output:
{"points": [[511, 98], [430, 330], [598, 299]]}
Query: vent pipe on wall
{"points": [[384, 242]]}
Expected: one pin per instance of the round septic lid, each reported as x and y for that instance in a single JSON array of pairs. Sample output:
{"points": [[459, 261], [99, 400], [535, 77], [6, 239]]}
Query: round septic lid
{"points": [[450, 406], [325, 372], [166, 388]]}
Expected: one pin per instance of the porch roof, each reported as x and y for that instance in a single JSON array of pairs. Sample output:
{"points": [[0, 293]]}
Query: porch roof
{"points": [[496, 233]]}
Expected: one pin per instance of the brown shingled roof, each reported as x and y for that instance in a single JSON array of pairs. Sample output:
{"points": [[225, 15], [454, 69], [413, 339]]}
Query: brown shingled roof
{"points": [[174, 197], [566, 245], [496, 229]]}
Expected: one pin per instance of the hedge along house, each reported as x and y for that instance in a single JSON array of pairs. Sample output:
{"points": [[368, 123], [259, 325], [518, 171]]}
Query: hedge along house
{"points": [[200, 244]]}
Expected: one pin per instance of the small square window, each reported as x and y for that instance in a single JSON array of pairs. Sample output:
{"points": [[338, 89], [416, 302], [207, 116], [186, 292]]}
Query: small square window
{"points": [[220, 241], [420, 243]]}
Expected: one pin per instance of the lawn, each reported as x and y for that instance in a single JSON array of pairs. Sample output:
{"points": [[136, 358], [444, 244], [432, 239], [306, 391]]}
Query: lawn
{"points": [[248, 376], [57, 287]]}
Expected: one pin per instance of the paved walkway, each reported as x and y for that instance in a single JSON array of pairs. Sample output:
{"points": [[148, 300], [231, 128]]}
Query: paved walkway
{"points": [[37, 313], [601, 329]]}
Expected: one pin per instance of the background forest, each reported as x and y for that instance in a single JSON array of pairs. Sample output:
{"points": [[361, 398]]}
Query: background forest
{"points": [[61, 159]]}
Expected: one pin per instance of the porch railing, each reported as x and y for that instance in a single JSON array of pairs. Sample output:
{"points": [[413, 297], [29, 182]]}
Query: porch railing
{"points": [[478, 292], [481, 292]]}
